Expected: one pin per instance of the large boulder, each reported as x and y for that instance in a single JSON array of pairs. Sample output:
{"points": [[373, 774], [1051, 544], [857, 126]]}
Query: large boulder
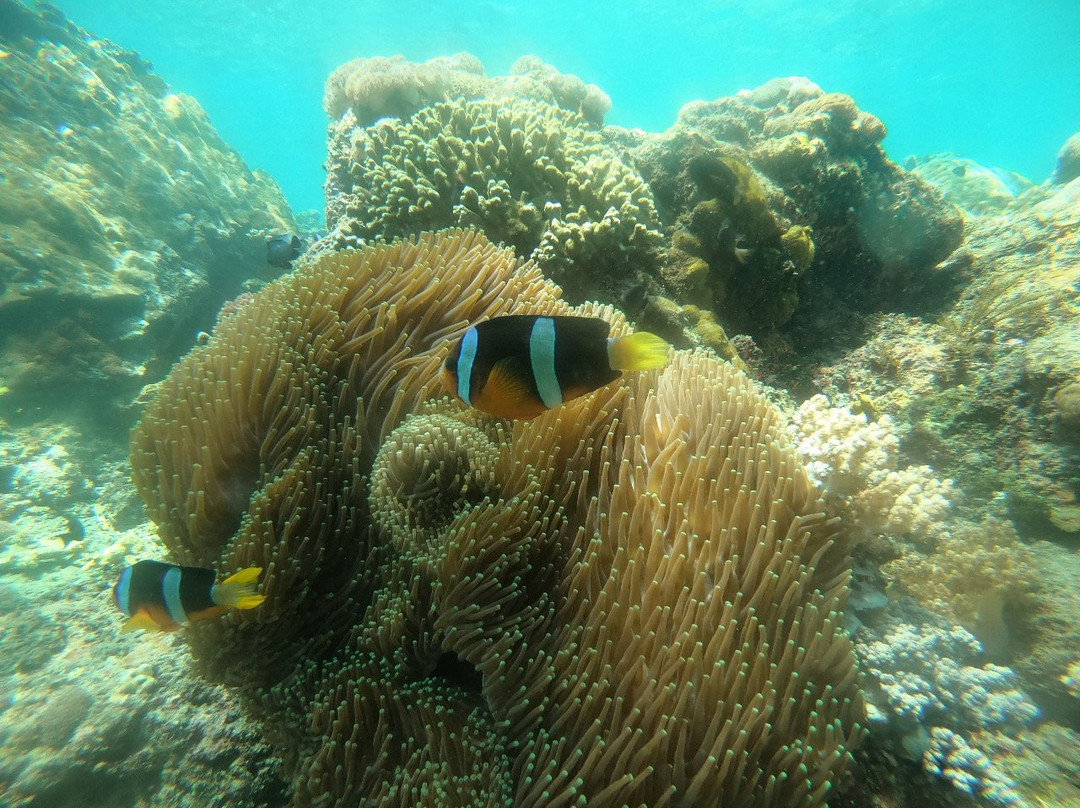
{"points": [[125, 219]]}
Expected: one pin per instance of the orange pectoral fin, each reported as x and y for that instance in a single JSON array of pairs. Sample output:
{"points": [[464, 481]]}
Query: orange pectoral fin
{"points": [[449, 381], [507, 392], [140, 621]]}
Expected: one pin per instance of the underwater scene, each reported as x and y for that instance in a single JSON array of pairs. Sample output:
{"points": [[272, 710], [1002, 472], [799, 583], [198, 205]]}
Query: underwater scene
{"points": [[615, 405]]}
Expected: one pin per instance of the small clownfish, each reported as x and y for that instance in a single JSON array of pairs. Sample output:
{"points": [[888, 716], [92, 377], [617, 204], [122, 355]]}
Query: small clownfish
{"points": [[520, 366], [162, 597]]}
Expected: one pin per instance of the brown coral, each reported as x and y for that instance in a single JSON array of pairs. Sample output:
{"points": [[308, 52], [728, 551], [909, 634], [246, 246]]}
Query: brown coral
{"points": [[381, 86], [803, 221], [631, 600]]}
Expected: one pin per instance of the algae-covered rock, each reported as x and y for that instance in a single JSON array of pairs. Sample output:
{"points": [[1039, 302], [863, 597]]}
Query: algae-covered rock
{"points": [[1068, 161], [974, 188], [29, 636], [803, 221], [125, 220], [987, 391], [1051, 632]]}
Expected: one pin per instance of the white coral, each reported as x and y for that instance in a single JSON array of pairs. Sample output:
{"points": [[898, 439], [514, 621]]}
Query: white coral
{"points": [[855, 460], [951, 757], [843, 452], [926, 674], [913, 502]]}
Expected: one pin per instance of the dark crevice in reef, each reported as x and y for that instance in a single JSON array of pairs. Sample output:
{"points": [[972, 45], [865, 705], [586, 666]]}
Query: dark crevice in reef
{"points": [[455, 671]]}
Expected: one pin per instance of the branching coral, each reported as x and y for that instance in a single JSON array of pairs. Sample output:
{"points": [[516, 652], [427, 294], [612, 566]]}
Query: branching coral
{"points": [[926, 681], [631, 600], [844, 452], [524, 171], [855, 461]]}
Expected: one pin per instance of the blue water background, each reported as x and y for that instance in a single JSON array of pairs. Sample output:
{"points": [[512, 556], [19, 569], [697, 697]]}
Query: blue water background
{"points": [[997, 81]]}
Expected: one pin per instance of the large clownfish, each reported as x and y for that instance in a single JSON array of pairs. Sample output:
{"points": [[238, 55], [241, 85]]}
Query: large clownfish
{"points": [[519, 366], [162, 597]]}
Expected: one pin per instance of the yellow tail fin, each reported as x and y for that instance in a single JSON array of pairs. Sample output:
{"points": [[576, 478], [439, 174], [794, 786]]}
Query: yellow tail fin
{"points": [[639, 351], [238, 591]]}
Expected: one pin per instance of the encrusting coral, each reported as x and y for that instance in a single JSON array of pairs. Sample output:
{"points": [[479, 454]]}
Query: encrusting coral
{"points": [[633, 599]]}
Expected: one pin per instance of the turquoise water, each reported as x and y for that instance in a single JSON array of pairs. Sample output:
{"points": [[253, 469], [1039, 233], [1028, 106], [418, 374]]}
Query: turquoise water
{"points": [[993, 81]]}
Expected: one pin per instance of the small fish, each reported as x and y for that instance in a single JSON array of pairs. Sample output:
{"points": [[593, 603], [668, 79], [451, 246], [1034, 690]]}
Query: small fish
{"points": [[162, 597], [282, 250], [519, 366]]}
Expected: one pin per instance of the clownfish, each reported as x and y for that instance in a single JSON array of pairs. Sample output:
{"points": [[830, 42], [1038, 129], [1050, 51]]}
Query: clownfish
{"points": [[162, 597], [520, 366]]}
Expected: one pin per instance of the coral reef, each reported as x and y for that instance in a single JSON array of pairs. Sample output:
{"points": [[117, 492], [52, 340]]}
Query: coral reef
{"points": [[30, 639], [787, 197], [632, 599], [141, 728], [986, 394], [534, 78], [523, 170], [125, 219], [1051, 631], [925, 685], [785, 219], [952, 757], [939, 688], [901, 360], [636, 599], [1043, 763], [1003, 423], [855, 460], [971, 574]]}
